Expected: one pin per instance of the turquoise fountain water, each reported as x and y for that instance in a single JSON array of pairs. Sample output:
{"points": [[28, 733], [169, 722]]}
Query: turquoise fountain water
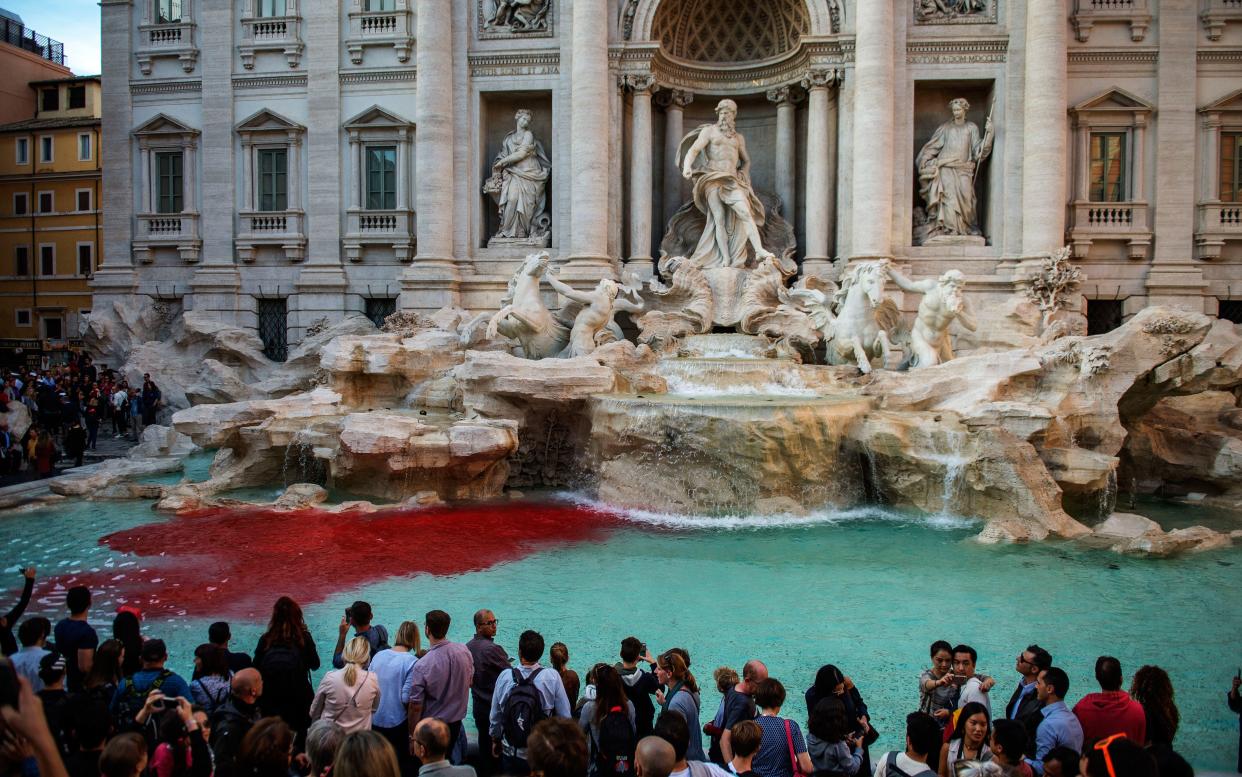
{"points": [[865, 589]]}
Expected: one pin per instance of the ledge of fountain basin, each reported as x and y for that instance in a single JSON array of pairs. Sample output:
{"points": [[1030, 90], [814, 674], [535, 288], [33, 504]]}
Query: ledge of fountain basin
{"points": [[729, 372], [855, 405], [726, 345]]}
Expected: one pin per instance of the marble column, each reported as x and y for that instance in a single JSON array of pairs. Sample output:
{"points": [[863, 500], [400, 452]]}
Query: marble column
{"points": [[113, 280], [1175, 278], [873, 129], [355, 172], [675, 102], [786, 149], [820, 163], [640, 176], [589, 129], [1044, 133], [433, 158]]}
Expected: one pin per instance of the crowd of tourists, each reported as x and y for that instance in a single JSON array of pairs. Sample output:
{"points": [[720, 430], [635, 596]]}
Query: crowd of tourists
{"points": [[70, 406], [392, 706]]}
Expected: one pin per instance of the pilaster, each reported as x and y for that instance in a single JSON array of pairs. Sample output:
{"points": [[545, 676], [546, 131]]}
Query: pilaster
{"points": [[873, 130]]}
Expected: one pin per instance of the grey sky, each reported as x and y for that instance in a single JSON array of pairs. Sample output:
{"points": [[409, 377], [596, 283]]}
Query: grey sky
{"points": [[74, 23]]}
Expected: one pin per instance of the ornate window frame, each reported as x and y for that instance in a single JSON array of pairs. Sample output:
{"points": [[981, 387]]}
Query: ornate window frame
{"points": [[378, 126], [1114, 110], [177, 230], [174, 40], [270, 33], [380, 28], [284, 228], [1217, 222]]}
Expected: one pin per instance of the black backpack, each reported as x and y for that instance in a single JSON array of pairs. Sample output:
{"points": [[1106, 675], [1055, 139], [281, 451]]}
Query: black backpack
{"points": [[523, 709], [615, 752], [133, 700], [282, 662]]}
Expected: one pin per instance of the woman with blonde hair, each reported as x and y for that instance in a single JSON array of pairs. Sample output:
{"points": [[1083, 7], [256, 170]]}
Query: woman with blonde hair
{"points": [[351, 695], [365, 754], [393, 669], [682, 695]]}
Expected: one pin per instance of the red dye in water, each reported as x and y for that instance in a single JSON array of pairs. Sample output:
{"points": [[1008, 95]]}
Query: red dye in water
{"points": [[235, 562]]}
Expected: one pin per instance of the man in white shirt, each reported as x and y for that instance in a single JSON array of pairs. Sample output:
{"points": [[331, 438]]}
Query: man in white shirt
{"points": [[964, 657], [922, 737]]}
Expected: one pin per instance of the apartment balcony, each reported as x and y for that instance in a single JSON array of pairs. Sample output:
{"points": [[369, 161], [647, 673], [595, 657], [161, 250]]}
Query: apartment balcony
{"points": [[1217, 14], [393, 228], [167, 41], [1216, 224], [167, 230], [271, 33], [283, 229], [380, 28], [1122, 221], [17, 34], [1088, 13]]}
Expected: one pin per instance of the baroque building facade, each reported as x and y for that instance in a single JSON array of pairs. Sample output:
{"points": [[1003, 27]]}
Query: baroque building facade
{"points": [[279, 162]]}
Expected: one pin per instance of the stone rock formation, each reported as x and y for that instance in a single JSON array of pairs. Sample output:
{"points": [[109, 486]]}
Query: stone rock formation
{"points": [[1035, 440]]}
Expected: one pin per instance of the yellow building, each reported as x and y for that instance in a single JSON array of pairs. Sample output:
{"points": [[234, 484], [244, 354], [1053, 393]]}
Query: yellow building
{"points": [[49, 218]]}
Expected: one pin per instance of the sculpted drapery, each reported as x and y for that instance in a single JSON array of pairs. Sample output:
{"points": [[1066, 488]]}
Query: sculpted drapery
{"points": [[947, 165], [520, 173]]}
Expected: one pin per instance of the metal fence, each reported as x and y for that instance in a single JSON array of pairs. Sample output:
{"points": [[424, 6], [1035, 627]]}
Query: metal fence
{"points": [[17, 34]]}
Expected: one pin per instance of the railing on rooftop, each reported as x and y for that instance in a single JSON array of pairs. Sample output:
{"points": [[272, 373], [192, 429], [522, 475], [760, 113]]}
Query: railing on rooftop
{"points": [[17, 34]]}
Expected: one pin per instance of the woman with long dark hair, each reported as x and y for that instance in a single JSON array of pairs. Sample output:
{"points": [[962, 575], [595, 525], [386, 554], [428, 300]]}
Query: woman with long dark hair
{"points": [[558, 654], [834, 750], [608, 698], [831, 681], [127, 630], [285, 657], [969, 741], [211, 687], [105, 675], [1153, 689], [182, 750]]}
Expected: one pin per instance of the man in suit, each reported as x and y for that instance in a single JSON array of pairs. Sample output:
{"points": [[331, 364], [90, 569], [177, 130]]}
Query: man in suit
{"points": [[1024, 705]]}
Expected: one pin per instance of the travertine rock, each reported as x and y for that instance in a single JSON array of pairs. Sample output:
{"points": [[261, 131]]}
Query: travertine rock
{"points": [[158, 441], [1187, 443], [86, 483], [301, 495]]}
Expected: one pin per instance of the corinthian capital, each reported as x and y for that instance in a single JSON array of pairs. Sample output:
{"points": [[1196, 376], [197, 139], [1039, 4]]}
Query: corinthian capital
{"points": [[674, 98], [821, 78], [639, 82]]}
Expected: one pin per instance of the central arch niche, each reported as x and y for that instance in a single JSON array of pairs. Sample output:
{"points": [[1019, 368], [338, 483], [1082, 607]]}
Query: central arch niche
{"points": [[728, 31]]}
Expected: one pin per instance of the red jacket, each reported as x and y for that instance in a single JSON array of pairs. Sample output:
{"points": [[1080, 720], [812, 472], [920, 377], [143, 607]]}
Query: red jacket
{"points": [[1111, 712]]}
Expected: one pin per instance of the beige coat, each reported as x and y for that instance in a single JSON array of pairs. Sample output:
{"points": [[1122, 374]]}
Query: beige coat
{"points": [[349, 706]]}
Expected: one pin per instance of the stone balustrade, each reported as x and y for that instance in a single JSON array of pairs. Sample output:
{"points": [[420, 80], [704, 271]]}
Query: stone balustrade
{"points": [[179, 230], [1087, 13], [271, 33], [167, 40], [284, 229], [1125, 221], [1217, 223], [380, 28], [1218, 13], [392, 228]]}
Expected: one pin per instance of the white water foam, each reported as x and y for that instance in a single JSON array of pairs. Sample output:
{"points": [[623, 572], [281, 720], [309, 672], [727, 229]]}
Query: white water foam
{"points": [[827, 517], [678, 386], [727, 353]]}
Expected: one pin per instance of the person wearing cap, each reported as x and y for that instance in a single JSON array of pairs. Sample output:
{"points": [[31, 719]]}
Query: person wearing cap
{"points": [[152, 676], [219, 634], [55, 698]]}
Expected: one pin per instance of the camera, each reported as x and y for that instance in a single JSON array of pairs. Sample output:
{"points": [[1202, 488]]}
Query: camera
{"points": [[159, 705]]}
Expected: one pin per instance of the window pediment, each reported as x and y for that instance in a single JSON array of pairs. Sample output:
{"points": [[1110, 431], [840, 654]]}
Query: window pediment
{"points": [[1114, 107], [376, 117], [268, 121], [163, 125], [1230, 103]]}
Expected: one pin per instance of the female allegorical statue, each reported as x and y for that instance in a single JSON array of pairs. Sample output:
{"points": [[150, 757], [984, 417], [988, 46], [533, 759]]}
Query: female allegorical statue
{"points": [[947, 166], [519, 182]]}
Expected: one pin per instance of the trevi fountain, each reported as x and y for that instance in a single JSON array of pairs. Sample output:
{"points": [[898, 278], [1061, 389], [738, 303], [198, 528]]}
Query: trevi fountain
{"points": [[667, 448]]}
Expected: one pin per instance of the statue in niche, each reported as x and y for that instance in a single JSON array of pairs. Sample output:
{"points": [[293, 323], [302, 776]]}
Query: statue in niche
{"points": [[519, 183], [592, 322], [942, 304], [947, 167], [719, 166], [948, 10], [520, 16]]}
